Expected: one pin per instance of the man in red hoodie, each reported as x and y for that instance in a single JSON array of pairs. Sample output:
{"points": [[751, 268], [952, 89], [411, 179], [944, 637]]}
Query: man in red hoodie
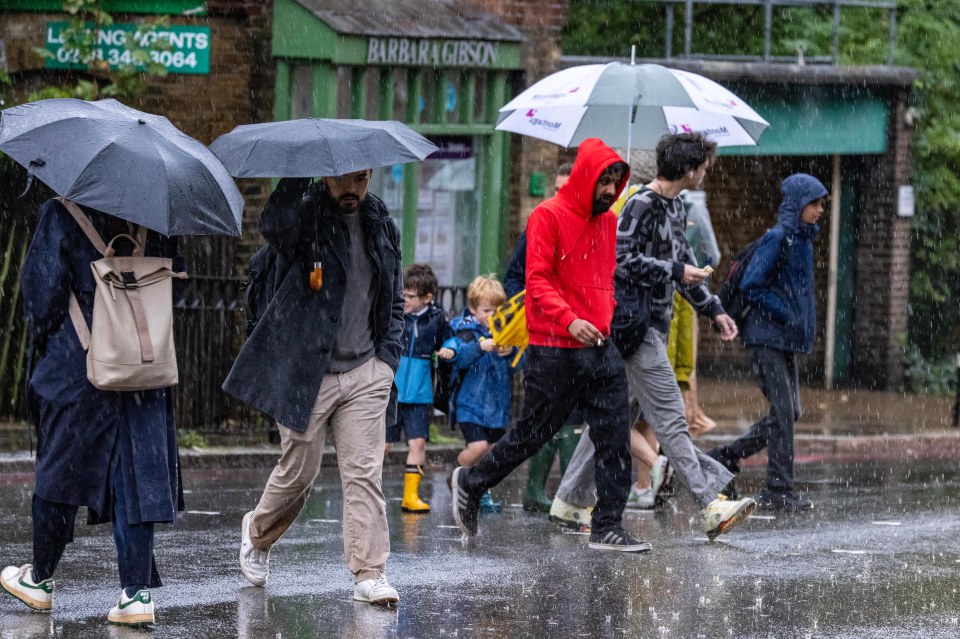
{"points": [[571, 258]]}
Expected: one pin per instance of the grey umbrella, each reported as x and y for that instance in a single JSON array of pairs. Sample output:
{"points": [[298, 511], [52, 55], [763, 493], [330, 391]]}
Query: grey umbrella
{"points": [[134, 165], [318, 147]]}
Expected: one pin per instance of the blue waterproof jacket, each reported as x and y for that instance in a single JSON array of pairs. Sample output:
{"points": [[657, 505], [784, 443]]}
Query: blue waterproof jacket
{"points": [[484, 396], [423, 335], [778, 281]]}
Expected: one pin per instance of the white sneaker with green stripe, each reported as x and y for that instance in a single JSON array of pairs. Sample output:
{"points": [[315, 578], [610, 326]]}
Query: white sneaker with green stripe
{"points": [[132, 611], [19, 583]]}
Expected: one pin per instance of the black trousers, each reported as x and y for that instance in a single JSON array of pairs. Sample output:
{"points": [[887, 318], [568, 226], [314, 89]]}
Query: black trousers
{"points": [[777, 374], [556, 381], [53, 530]]}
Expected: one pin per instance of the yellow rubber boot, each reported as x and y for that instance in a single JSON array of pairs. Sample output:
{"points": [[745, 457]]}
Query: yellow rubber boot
{"points": [[411, 491]]}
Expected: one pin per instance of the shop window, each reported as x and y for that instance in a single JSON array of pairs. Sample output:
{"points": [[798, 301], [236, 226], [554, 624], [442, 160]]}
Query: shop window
{"points": [[450, 96], [371, 109], [448, 211], [343, 91], [387, 184], [480, 100], [427, 104], [400, 77], [301, 99]]}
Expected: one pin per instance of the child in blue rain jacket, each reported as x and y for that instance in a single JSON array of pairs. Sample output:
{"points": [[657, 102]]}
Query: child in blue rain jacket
{"points": [[482, 401], [424, 331]]}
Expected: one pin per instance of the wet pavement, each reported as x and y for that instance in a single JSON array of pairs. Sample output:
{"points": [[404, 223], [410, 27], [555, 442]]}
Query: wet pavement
{"points": [[877, 558]]}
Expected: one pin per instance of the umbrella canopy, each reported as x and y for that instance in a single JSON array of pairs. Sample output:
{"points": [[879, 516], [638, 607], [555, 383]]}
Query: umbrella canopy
{"points": [[134, 165], [629, 105], [318, 147]]}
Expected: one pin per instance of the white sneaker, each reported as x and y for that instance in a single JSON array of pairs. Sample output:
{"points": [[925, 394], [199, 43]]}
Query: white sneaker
{"points": [[254, 564], [19, 583], [570, 516], [641, 498], [132, 611], [375, 591], [722, 514]]}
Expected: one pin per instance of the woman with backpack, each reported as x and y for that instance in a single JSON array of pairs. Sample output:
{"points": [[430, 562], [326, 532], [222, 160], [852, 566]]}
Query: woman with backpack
{"points": [[114, 452]]}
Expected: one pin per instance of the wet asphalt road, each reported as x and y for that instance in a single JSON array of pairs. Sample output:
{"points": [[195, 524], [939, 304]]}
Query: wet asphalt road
{"points": [[878, 558]]}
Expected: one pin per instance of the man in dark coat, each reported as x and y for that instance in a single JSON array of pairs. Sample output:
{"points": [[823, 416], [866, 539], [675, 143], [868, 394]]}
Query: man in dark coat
{"points": [[778, 284], [113, 452], [322, 359]]}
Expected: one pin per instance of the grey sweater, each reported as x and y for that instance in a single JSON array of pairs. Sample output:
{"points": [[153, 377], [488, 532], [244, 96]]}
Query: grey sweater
{"points": [[354, 345]]}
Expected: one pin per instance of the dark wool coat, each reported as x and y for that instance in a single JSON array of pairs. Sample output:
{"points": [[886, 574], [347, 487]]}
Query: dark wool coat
{"points": [[83, 433], [282, 364]]}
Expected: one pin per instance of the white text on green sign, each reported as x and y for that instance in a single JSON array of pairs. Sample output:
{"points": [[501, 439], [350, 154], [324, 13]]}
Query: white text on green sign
{"points": [[189, 47], [422, 53]]}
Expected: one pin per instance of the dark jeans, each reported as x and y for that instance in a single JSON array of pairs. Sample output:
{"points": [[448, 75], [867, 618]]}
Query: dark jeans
{"points": [[556, 381], [777, 374], [53, 530]]}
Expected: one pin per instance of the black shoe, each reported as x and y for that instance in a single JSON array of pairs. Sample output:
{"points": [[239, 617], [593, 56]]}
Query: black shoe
{"points": [[617, 540], [465, 507], [789, 502], [730, 490], [733, 465]]}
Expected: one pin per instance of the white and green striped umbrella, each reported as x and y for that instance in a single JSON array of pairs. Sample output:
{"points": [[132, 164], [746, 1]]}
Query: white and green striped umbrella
{"points": [[628, 105]]}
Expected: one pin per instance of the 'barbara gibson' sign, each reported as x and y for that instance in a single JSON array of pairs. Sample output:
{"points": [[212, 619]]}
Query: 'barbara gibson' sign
{"points": [[436, 53]]}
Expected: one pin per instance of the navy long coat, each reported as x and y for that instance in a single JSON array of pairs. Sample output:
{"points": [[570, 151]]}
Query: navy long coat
{"points": [[84, 433], [281, 366]]}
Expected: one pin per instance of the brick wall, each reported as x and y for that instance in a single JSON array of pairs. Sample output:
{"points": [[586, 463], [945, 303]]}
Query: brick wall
{"points": [[541, 23], [883, 259], [531, 16], [743, 196]]}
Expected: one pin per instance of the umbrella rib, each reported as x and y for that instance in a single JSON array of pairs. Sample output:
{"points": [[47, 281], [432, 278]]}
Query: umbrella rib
{"points": [[249, 153]]}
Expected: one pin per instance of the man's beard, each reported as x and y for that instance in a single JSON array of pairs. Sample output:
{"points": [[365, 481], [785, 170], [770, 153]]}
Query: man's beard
{"points": [[602, 205], [347, 205]]}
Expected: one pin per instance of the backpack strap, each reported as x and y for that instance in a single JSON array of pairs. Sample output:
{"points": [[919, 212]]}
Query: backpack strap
{"points": [[141, 241], [79, 324], [140, 319], [85, 225], [73, 306]]}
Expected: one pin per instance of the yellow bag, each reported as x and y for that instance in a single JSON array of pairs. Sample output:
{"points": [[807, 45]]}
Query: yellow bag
{"points": [[508, 325]]}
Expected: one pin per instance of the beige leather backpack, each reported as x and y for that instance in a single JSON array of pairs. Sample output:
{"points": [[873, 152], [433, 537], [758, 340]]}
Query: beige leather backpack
{"points": [[130, 342]]}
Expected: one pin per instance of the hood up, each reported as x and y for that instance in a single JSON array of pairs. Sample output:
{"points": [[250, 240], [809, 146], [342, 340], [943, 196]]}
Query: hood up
{"points": [[593, 158], [798, 190]]}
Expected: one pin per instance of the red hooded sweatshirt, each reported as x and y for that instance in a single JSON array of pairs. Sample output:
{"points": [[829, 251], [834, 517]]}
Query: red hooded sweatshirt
{"points": [[571, 254]]}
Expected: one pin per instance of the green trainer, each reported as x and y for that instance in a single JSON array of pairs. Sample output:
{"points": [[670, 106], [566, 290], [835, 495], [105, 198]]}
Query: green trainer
{"points": [[132, 611], [19, 583]]}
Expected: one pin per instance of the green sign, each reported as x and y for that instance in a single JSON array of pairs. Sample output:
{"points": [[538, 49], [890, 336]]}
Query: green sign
{"points": [[163, 7], [189, 48]]}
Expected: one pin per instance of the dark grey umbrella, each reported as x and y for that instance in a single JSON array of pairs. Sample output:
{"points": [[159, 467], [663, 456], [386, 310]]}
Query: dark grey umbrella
{"points": [[318, 147], [134, 165]]}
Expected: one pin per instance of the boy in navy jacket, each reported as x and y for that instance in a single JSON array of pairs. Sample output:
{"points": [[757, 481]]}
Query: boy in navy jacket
{"points": [[779, 284], [424, 330], [482, 403]]}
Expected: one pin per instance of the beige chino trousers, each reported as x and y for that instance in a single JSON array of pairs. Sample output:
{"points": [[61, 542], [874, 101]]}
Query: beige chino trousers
{"points": [[351, 406]]}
